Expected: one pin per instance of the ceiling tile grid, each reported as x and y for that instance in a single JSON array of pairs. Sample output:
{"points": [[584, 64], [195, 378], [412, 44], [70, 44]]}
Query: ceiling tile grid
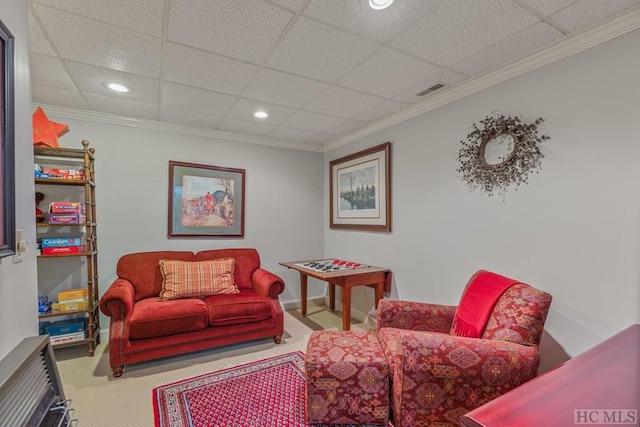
{"points": [[322, 69], [242, 29]]}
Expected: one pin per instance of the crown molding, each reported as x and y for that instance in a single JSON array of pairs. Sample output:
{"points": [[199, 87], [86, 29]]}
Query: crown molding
{"points": [[569, 45], [113, 119]]}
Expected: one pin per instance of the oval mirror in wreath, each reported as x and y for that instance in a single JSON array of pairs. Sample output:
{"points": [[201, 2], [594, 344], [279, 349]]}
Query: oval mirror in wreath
{"points": [[499, 152], [498, 149]]}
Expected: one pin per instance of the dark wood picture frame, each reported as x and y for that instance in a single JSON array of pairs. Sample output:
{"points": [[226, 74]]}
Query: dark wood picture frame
{"points": [[7, 145], [360, 190], [205, 201]]}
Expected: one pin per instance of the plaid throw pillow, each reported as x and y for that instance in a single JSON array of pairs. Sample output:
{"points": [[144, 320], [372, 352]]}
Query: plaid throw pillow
{"points": [[197, 279]]}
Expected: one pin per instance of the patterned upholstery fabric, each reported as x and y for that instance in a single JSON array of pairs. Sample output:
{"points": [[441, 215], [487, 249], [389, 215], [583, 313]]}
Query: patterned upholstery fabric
{"points": [[519, 316], [197, 279], [437, 377], [347, 379]]}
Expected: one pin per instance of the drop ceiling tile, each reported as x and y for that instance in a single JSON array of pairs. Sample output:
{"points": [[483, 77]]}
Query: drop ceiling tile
{"points": [[280, 88], [586, 12], [242, 29], [358, 17], [341, 102], [38, 43], [46, 95], [48, 71], [189, 118], [291, 5], [446, 77], [246, 127], [381, 111], [91, 42], [197, 68], [144, 16], [321, 139], [508, 49], [346, 127], [313, 122], [478, 25], [244, 109], [91, 79], [318, 51], [547, 7], [122, 107], [196, 100], [288, 134], [388, 72]]}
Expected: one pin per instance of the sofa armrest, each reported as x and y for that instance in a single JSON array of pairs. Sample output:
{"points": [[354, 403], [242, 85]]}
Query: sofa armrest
{"points": [[266, 283], [117, 303], [118, 299], [417, 316]]}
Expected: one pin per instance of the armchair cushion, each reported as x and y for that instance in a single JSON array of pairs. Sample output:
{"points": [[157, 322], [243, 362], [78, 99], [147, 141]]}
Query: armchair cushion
{"points": [[197, 279]]}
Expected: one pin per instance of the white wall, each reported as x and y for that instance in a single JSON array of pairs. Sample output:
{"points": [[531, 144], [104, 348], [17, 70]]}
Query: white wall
{"points": [[283, 217], [18, 294], [572, 231]]}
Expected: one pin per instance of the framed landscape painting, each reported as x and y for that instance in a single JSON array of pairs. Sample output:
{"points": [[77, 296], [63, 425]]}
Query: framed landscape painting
{"points": [[7, 145], [360, 186], [205, 201]]}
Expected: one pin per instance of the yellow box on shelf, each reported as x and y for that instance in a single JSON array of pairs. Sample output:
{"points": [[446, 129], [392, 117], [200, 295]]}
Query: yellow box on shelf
{"points": [[73, 294], [65, 307]]}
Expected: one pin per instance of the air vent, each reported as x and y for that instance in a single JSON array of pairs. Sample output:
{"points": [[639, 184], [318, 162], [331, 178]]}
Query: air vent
{"points": [[431, 89]]}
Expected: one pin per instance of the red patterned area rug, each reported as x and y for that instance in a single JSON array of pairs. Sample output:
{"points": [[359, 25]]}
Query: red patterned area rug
{"points": [[266, 393]]}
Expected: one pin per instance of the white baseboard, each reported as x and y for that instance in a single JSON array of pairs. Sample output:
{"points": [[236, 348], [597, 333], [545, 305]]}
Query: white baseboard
{"points": [[291, 305], [356, 314]]}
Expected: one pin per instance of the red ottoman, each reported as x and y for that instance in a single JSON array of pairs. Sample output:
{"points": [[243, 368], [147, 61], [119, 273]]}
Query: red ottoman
{"points": [[347, 379]]}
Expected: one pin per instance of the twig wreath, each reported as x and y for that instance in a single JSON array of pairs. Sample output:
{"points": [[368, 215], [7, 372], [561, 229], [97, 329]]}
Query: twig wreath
{"points": [[522, 155]]}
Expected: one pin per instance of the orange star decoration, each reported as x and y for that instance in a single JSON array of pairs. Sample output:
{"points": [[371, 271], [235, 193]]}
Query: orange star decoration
{"points": [[46, 132]]}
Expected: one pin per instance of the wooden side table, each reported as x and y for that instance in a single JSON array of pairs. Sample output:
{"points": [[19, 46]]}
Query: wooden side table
{"points": [[373, 277]]}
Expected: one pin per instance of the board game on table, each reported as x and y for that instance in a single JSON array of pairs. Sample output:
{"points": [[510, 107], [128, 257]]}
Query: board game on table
{"points": [[330, 265], [346, 275]]}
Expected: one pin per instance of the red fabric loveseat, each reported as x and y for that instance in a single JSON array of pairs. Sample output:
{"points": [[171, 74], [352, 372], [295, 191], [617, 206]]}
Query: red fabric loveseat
{"points": [[144, 327]]}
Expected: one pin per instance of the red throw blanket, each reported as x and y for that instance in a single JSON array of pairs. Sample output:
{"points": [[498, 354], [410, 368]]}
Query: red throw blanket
{"points": [[477, 301]]}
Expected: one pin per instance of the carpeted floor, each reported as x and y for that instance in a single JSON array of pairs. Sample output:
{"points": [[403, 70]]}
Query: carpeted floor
{"points": [[100, 400]]}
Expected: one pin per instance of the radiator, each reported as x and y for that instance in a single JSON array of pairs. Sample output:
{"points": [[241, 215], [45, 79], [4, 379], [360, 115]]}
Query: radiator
{"points": [[30, 389]]}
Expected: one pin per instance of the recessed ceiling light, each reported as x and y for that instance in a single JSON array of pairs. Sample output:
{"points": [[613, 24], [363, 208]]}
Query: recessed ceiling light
{"points": [[380, 4], [117, 87], [260, 114]]}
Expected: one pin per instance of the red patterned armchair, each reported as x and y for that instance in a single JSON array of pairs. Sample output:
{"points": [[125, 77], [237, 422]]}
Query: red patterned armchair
{"points": [[441, 367]]}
